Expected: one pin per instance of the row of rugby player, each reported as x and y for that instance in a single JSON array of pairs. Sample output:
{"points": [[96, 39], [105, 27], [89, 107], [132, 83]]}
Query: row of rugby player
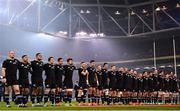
{"points": [[111, 86]]}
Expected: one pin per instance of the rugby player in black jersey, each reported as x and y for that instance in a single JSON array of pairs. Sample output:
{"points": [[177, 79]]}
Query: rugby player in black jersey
{"points": [[59, 73], [24, 68], [50, 82], [105, 83], [68, 82], [112, 84], [93, 81], [9, 73], [37, 80], [82, 91], [99, 91]]}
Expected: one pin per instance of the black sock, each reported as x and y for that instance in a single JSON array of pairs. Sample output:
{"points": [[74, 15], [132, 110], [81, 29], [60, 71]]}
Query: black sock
{"points": [[25, 99], [57, 98], [69, 98], [18, 99], [102, 99], [78, 99], [92, 98], [84, 95], [65, 98], [6, 98], [95, 99], [114, 100], [33, 97], [52, 98], [46, 96], [89, 98], [84, 98], [106, 97], [109, 100], [39, 98], [98, 99], [81, 98]]}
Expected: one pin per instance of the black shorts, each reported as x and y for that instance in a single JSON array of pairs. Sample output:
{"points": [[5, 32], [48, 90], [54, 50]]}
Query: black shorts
{"points": [[83, 85], [59, 84], [24, 83], [68, 85], [120, 87], [112, 87], [11, 82], [50, 85], [92, 84], [37, 81]]}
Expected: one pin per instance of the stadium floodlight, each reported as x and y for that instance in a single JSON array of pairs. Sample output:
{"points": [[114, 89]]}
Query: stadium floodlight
{"points": [[132, 13], [81, 11], [144, 11], [158, 9], [100, 35], [88, 12], [164, 8], [81, 33], [117, 13], [63, 32], [93, 35]]}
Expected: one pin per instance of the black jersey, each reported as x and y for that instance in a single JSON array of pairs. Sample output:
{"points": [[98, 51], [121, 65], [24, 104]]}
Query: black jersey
{"points": [[105, 78], [37, 70], [145, 84], [24, 70], [92, 76], [129, 80], [140, 84], [49, 72], [82, 78], [11, 66], [112, 80], [150, 83], [161, 82], [125, 81], [155, 83], [174, 84], [135, 84], [100, 78], [166, 84], [59, 73], [120, 81], [69, 69]]}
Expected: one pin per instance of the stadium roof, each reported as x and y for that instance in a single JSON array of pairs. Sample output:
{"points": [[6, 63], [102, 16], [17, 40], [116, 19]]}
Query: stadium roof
{"points": [[92, 18]]}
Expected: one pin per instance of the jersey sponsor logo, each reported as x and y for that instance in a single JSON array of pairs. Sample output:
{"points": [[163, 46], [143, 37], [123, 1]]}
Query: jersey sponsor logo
{"points": [[71, 68], [61, 68], [13, 62]]}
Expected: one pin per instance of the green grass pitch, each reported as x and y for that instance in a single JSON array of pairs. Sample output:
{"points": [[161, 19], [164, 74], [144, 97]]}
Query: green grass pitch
{"points": [[111, 107]]}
